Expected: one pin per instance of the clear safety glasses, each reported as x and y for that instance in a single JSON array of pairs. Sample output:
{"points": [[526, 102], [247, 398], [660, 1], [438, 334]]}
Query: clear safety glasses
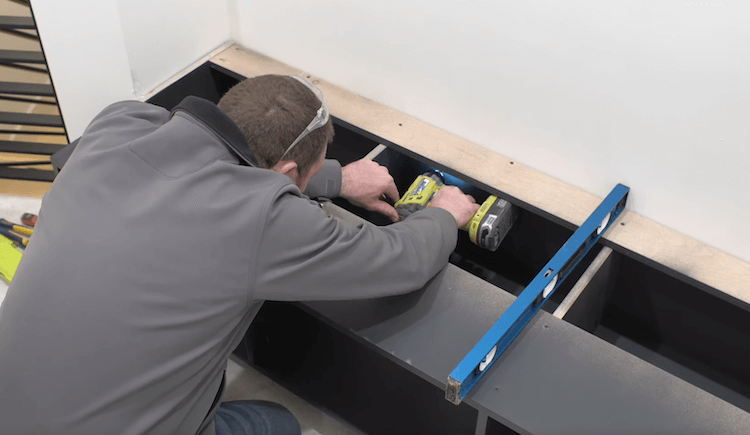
{"points": [[321, 118]]}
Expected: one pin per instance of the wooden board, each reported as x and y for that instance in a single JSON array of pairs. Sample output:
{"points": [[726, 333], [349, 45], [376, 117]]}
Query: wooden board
{"points": [[634, 233]]}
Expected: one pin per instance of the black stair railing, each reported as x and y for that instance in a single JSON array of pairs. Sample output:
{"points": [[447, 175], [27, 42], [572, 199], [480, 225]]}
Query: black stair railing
{"points": [[21, 125]]}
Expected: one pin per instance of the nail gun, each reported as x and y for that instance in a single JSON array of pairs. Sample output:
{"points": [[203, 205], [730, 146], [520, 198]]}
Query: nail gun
{"points": [[486, 228]]}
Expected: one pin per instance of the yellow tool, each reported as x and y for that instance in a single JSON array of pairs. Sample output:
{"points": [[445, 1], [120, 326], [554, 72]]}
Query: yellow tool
{"points": [[23, 241], [486, 228], [15, 227]]}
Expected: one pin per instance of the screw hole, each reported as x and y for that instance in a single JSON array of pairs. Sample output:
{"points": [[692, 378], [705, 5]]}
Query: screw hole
{"points": [[511, 163], [546, 326], [622, 223], [400, 124]]}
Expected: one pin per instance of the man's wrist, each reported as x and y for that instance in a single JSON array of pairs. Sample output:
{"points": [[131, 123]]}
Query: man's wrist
{"points": [[327, 182]]}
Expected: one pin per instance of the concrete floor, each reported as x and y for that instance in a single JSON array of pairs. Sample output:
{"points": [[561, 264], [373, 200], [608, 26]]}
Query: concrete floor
{"points": [[244, 382]]}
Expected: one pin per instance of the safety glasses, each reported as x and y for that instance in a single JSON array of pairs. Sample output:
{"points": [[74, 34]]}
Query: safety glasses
{"points": [[321, 118]]}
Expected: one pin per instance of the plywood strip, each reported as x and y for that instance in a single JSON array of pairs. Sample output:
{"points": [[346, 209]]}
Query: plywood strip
{"points": [[582, 283], [375, 152], [639, 235]]}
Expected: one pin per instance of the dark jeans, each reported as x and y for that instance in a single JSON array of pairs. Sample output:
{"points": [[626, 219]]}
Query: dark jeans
{"points": [[255, 417]]}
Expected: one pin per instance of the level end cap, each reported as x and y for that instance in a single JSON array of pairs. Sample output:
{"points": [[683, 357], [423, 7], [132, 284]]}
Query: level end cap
{"points": [[452, 389]]}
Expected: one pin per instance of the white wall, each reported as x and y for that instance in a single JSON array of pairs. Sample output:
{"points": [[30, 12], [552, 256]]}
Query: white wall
{"points": [[653, 94], [102, 51], [86, 56], [164, 36]]}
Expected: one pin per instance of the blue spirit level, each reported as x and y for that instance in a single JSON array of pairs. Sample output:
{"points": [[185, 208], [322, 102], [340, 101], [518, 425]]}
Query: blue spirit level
{"points": [[487, 350]]}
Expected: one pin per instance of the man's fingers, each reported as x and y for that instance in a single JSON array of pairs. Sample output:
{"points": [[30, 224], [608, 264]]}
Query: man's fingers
{"points": [[392, 192], [385, 209], [385, 181]]}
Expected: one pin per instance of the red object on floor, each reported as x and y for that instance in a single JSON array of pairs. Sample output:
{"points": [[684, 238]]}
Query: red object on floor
{"points": [[29, 219]]}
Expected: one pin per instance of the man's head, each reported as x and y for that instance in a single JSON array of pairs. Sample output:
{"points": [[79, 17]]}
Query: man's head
{"points": [[272, 111]]}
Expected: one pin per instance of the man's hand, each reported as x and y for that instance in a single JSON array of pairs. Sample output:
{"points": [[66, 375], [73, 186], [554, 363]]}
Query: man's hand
{"points": [[364, 183], [460, 205]]}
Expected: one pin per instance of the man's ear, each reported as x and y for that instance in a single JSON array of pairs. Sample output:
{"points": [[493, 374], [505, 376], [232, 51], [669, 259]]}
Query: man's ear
{"points": [[288, 168]]}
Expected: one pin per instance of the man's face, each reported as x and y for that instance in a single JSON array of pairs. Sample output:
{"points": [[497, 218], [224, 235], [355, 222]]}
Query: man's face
{"points": [[302, 181]]}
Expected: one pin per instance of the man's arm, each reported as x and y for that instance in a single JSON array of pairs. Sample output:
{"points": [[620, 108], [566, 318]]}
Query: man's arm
{"points": [[364, 183], [305, 255]]}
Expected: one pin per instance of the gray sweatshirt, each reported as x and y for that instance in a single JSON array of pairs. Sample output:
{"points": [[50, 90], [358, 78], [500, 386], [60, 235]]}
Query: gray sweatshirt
{"points": [[153, 252]]}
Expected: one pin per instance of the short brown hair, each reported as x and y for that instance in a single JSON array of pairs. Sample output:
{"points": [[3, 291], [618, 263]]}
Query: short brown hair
{"points": [[272, 110]]}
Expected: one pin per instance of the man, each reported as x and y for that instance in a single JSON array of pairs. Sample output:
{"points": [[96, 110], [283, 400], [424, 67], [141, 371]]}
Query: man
{"points": [[161, 237]]}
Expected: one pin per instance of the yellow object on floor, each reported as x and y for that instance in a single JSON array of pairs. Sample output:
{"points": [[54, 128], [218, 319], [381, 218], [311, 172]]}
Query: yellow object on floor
{"points": [[20, 229], [9, 259]]}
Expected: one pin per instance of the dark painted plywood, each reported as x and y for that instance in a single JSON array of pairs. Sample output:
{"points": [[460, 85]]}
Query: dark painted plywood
{"points": [[554, 379]]}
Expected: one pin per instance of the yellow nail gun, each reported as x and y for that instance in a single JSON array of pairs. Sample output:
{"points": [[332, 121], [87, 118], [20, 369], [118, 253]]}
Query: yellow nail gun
{"points": [[486, 228]]}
